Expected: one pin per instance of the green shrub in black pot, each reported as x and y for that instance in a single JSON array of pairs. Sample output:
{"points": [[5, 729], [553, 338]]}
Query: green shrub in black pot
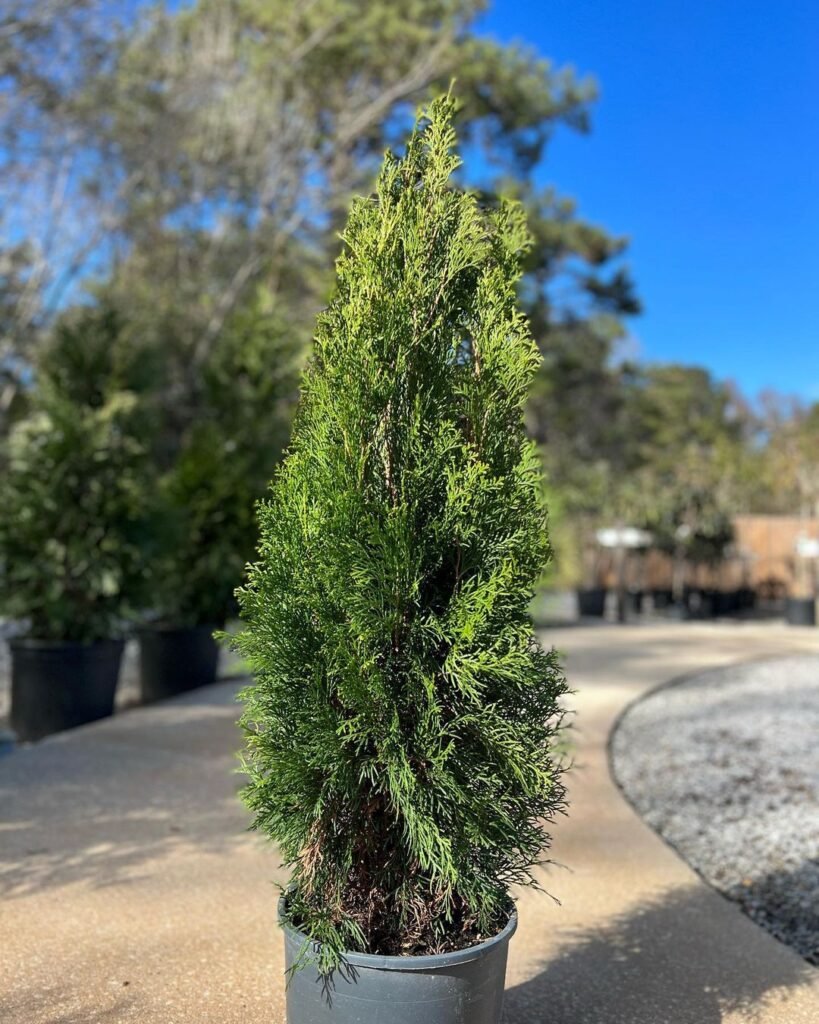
{"points": [[198, 520], [70, 553], [400, 731], [203, 512]]}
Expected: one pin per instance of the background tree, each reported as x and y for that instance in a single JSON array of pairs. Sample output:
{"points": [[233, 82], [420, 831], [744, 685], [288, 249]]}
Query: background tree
{"points": [[790, 435], [687, 437], [213, 147], [56, 219], [790, 469], [171, 163], [576, 293]]}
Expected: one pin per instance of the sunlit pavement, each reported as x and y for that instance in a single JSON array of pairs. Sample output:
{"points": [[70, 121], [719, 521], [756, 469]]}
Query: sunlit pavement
{"points": [[131, 890]]}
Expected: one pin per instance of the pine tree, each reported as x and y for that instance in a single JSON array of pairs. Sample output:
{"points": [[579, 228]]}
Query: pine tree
{"points": [[400, 734]]}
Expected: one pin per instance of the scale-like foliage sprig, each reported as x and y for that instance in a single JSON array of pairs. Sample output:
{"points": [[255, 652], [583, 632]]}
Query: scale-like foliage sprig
{"points": [[400, 729]]}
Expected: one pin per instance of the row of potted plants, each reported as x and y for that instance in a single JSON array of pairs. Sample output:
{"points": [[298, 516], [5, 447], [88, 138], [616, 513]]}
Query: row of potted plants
{"points": [[60, 684], [694, 602], [81, 553], [112, 526]]}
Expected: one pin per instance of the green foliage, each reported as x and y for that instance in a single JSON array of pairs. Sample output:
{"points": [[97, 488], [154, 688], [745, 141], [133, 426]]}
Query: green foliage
{"points": [[92, 354], [71, 517], [204, 527], [576, 293], [662, 447], [220, 144], [788, 475], [672, 406], [686, 444], [400, 729]]}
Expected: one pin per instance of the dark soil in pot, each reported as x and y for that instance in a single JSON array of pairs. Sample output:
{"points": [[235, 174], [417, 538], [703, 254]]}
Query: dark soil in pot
{"points": [[800, 611], [463, 987], [175, 660], [60, 685]]}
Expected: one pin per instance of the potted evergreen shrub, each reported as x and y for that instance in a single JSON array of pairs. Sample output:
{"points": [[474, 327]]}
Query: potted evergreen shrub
{"points": [[192, 570], [400, 731], [203, 514], [195, 565], [70, 552]]}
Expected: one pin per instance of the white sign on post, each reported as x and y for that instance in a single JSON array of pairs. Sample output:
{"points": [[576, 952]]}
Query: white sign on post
{"points": [[623, 537], [807, 547]]}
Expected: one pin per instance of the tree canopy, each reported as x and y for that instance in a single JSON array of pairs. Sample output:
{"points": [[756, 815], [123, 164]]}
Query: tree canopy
{"points": [[196, 153]]}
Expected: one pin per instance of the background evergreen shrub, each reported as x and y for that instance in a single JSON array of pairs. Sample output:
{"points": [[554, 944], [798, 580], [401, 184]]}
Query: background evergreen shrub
{"points": [[203, 520], [72, 518], [400, 731]]}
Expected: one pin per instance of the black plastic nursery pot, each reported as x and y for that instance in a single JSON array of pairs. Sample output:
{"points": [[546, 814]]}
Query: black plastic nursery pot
{"points": [[634, 602], [60, 685], [591, 602], [800, 611], [465, 987], [174, 660], [700, 603], [678, 611], [725, 602]]}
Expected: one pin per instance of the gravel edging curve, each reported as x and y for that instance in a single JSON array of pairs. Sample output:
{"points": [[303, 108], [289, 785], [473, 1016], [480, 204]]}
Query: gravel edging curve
{"points": [[724, 765]]}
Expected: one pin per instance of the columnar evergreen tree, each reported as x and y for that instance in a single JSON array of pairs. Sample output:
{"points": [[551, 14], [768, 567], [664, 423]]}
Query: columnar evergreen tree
{"points": [[400, 731]]}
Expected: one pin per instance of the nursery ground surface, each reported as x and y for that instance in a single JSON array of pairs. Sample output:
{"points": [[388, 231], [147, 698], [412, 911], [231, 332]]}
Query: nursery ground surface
{"points": [[725, 766], [130, 889]]}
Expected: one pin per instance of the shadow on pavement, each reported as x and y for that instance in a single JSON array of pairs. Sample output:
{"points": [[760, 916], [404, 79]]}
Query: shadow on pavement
{"points": [[785, 902], [59, 1010], [103, 804], [666, 962]]}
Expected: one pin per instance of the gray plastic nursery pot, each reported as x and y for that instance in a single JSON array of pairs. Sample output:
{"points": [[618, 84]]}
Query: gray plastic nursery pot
{"points": [[465, 987]]}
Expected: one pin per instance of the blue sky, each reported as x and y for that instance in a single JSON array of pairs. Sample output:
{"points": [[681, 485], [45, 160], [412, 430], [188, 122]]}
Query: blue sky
{"points": [[704, 150]]}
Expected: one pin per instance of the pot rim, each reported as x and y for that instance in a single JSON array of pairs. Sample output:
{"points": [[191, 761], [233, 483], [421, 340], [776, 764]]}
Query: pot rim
{"points": [[410, 963], [40, 644], [166, 628]]}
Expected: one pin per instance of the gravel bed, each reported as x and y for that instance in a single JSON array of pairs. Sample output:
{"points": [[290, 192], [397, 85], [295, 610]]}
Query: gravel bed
{"points": [[725, 766]]}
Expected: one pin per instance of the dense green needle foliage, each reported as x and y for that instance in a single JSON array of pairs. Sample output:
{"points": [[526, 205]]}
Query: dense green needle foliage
{"points": [[203, 510], [74, 476], [400, 731]]}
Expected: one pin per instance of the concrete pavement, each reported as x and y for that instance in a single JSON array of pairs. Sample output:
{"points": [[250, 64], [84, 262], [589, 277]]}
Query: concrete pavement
{"points": [[130, 890]]}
